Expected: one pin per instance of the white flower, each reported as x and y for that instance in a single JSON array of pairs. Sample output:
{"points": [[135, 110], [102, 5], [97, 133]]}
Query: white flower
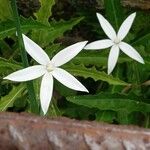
{"points": [[115, 41], [49, 69]]}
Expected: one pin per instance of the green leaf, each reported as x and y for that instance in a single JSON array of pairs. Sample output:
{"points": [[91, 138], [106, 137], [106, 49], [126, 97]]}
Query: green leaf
{"points": [[43, 16], [63, 26], [53, 110], [80, 70], [123, 117], [54, 31], [44, 12], [8, 28], [44, 38], [59, 28], [6, 50], [142, 40], [106, 116], [78, 112], [117, 103], [96, 58], [8, 100], [5, 10], [114, 12], [7, 66]]}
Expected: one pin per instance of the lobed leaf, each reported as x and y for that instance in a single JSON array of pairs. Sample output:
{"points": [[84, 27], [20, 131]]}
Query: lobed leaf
{"points": [[80, 70], [44, 12], [43, 16], [96, 58], [109, 102], [61, 27]]}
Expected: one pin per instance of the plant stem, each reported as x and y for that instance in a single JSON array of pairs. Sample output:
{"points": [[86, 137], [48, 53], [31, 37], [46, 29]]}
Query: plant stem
{"points": [[32, 98]]}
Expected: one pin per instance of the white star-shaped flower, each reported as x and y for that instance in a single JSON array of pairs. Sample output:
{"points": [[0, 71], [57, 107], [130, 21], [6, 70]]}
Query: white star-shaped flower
{"points": [[49, 69], [115, 41]]}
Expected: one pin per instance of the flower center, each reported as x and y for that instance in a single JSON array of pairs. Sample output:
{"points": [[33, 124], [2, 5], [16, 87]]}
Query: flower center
{"points": [[117, 41], [50, 67]]}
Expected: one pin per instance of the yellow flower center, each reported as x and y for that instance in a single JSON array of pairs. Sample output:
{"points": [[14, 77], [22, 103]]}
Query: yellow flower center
{"points": [[117, 41], [50, 67]]}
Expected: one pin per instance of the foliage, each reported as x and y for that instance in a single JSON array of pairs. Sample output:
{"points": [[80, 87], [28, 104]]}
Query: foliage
{"points": [[121, 98]]}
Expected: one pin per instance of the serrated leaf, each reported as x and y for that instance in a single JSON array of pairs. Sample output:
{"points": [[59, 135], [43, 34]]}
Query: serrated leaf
{"points": [[96, 58], [8, 27], [63, 26], [80, 70], [114, 103], [43, 16], [8, 100], [44, 12]]}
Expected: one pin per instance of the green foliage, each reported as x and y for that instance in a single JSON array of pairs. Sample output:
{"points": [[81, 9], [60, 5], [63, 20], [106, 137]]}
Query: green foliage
{"points": [[43, 16], [62, 26], [8, 100], [106, 116], [96, 58], [11, 64], [106, 101], [59, 28], [7, 66], [47, 27], [80, 70], [142, 40], [114, 12], [7, 28], [113, 107], [44, 38], [45, 11], [5, 10]]}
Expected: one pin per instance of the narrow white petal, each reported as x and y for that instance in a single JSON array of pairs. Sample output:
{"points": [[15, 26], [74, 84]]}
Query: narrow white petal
{"points": [[100, 44], [46, 91], [68, 53], [27, 74], [125, 27], [113, 57], [68, 80], [106, 26], [131, 52], [35, 51]]}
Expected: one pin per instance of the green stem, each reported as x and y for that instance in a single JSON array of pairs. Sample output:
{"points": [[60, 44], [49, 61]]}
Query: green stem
{"points": [[31, 92]]}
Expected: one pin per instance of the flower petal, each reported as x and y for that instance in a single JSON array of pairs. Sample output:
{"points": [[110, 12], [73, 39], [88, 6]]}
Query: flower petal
{"points": [[100, 44], [35, 51], [27, 74], [131, 52], [113, 57], [68, 80], [68, 53], [125, 27], [106, 26], [46, 91]]}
